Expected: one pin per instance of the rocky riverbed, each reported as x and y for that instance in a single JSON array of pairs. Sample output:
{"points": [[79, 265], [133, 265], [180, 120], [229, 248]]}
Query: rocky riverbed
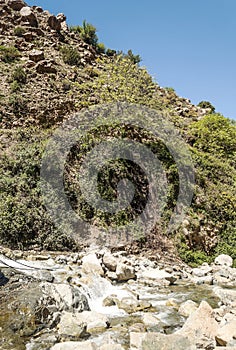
{"points": [[98, 300]]}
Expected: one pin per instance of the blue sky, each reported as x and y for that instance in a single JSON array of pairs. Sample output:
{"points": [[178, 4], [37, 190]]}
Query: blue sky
{"points": [[189, 45]]}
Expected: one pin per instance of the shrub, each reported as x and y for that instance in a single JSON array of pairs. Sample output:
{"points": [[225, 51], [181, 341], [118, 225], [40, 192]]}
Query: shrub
{"points": [[19, 31], [70, 55], [19, 75], [101, 48], [136, 59], [15, 86], [87, 32], [207, 104], [111, 52], [8, 54]]}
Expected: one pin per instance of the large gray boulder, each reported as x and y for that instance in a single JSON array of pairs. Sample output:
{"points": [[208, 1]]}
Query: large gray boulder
{"points": [[28, 16], [224, 260]]}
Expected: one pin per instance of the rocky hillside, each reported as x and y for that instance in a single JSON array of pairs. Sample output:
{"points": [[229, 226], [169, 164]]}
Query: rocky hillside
{"points": [[47, 73]]}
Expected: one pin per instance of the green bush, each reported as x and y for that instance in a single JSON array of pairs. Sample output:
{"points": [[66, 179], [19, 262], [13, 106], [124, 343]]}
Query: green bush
{"points": [[101, 48], [207, 104], [136, 59], [19, 31], [8, 54], [70, 55], [19, 75], [15, 86], [87, 32]]}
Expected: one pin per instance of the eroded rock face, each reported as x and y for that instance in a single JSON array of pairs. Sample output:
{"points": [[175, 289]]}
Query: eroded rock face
{"points": [[36, 55], [28, 15], [54, 23], [16, 5]]}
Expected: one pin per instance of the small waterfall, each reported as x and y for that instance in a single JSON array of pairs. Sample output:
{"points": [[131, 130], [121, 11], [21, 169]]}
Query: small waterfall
{"points": [[98, 290]]}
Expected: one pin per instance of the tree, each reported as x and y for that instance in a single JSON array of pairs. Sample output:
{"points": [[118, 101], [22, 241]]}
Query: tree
{"points": [[207, 104]]}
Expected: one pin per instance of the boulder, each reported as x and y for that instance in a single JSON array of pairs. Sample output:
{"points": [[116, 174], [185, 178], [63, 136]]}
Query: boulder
{"points": [[154, 341], [157, 276], [131, 305], [92, 265], [71, 325], [224, 260], [28, 15], [44, 67], [54, 23], [227, 333], [110, 262], [67, 297], [75, 345], [61, 17], [201, 326], [187, 308], [80, 324], [36, 55], [16, 5], [124, 272]]}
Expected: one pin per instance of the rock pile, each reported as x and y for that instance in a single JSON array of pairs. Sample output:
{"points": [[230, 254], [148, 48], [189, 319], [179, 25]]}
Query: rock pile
{"points": [[90, 293]]}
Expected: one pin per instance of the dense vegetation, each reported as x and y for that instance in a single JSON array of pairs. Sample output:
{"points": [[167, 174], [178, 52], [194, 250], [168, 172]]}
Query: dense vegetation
{"points": [[210, 225]]}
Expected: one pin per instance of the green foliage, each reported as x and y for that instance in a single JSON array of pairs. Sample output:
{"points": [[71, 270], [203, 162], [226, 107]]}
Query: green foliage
{"points": [[207, 104], [9, 54], [19, 75], [192, 257], [19, 31], [24, 220], [18, 104], [120, 80], [135, 59], [15, 86], [70, 55], [87, 33], [111, 52], [214, 134], [101, 48], [170, 89]]}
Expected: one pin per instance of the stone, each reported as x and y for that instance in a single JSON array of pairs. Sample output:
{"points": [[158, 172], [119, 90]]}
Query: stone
{"points": [[158, 276], [16, 5], [79, 324], [61, 17], [71, 325], [202, 271], [150, 320], [187, 308], [36, 55], [111, 347], [96, 322], [43, 67], [227, 333], [201, 326], [124, 272], [154, 341], [28, 15], [224, 260], [227, 296], [74, 345], [110, 262], [67, 298], [54, 23], [131, 305], [91, 265]]}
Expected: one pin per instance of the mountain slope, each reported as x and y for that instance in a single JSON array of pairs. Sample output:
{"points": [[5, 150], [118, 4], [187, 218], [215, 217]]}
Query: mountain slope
{"points": [[48, 72]]}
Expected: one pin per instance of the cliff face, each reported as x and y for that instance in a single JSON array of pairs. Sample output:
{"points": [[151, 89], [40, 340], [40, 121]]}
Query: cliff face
{"points": [[47, 73]]}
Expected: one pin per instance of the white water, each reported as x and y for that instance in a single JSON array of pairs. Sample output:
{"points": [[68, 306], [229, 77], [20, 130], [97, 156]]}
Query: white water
{"points": [[98, 290]]}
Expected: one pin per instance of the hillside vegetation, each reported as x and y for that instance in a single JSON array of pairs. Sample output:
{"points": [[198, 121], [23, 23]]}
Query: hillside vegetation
{"points": [[48, 72]]}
